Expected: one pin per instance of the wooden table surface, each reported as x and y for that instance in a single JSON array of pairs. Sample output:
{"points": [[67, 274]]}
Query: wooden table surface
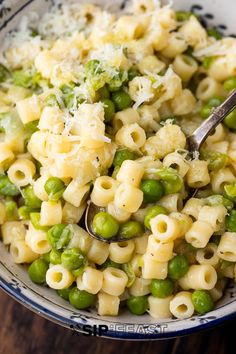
{"points": [[23, 332]]}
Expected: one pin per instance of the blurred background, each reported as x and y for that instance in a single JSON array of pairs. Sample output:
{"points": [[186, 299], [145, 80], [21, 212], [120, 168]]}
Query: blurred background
{"points": [[23, 332]]}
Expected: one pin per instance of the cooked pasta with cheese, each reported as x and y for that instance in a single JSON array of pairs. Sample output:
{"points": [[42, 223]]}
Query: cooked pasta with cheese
{"points": [[97, 106]]}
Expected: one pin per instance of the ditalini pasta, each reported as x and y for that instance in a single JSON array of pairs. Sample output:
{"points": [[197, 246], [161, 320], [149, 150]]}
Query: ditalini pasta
{"points": [[98, 106]]}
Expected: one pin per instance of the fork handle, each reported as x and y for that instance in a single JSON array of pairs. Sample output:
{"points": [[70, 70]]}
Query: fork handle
{"points": [[219, 113]]}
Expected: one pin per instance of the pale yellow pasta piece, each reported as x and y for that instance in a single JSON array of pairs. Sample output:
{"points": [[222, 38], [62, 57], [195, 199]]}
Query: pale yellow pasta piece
{"points": [[176, 44], [193, 32], [227, 247], [76, 194], [160, 251], [193, 207], [119, 214], [185, 66], [6, 155], [172, 202], [128, 198], [108, 305], [140, 287], [91, 280], [103, 191], [51, 119], [165, 228], [217, 292], [181, 305], [44, 63], [151, 64], [128, 28], [29, 109], [220, 178], [199, 277], [127, 116], [38, 187], [57, 144], [58, 277], [114, 281], [82, 240], [21, 172], [198, 175], [208, 255], [141, 244], [37, 241], [176, 159], [72, 214], [130, 172], [51, 213], [132, 136], [184, 103], [184, 222], [215, 215], [159, 308], [98, 252], [208, 88], [199, 234], [153, 269], [21, 252], [121, 252], [12, 231]]}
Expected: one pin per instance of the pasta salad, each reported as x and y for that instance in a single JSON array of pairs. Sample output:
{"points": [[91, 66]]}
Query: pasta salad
{"points": [[97, 106]]}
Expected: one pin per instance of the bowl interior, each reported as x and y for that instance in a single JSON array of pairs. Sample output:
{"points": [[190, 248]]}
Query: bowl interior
{"points": [[14, 278]]}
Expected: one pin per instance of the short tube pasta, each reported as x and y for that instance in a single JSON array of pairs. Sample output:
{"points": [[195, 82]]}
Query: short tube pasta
{"points": [[199, 234], [199, 277], [91, 280], [159, 308], [58, 277], [21, 172], [181, 305], [21, 252], [165, 228], [226, 249], [114, 281], [108, 305], [128, 198], [103, 191]]}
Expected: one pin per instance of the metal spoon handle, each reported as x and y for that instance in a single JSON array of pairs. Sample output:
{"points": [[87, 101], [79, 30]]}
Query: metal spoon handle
{"points": [[219, 113]]}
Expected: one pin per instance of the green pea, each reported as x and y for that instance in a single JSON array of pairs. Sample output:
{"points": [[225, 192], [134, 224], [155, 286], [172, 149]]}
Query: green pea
{"points": [[213, 32], [215, 101], [64, 293], [152, 212], [219, 200], [230, 84], [230, 120], [202, 301], [132, 73], [24, 212], [122, 155], [115, 172], [128, 269], [37, 271], [161, 287], [59, 236], [11, 210], [170, 179], [55, 256], [103, 93], [122, 100], [105, 225], [79, 271], [54, 187], [182, 16], [67, 89], [178, 267], [72, 258], [7, 188], [216, 160], [46, 257], [93, 67], [230, 222], [230, 190], [152, 189], [131, 229], [116, 81], [22, 78], [207, 62], [4, 73], [81, 299], [110, 263], [35, 219], [31, 127], [109, 109], [137, 305], [31, 200], [51, 101]]}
